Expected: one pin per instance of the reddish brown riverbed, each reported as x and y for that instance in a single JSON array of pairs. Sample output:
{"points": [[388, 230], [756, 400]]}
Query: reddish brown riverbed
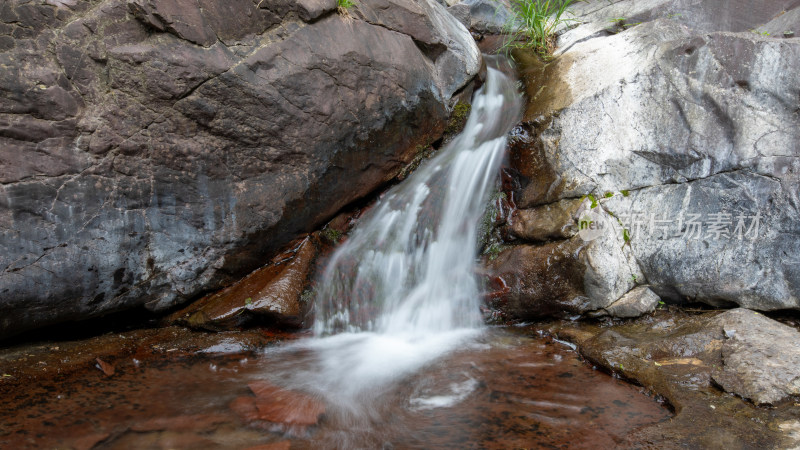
{"points": [[503, 391]]}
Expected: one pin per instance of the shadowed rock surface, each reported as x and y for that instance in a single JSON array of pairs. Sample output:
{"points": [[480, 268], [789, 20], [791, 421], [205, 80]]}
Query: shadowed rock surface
{"points": [[271, 293], [153, 150], [565, 277]]}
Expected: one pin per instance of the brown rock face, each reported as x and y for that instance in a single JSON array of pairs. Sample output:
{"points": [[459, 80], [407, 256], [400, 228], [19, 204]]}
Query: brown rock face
{"points": [[537, 281], [151, 150], [273, 291], [548, 222]]}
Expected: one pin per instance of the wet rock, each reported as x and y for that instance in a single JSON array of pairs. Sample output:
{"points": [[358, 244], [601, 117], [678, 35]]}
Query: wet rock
{"points": [[283, 445], [107, 368], [28, 363], [279, 406], [674, 124], [180, 423], [760, 357], [569, 277], [548, 222], [272, 292], [89, 441], [154, 150], [678, 356], [165, 392], [640, 300], [736, 349], [534, 281]]}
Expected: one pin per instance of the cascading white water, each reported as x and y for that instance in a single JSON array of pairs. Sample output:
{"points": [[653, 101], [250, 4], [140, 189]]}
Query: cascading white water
{"points": [[401, 291], [408, 268]]}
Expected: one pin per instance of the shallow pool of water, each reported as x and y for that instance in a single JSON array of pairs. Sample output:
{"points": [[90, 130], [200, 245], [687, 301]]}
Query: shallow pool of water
{"points": [[500, 389]]}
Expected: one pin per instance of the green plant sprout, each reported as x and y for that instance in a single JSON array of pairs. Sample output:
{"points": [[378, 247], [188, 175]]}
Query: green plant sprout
{"points": [[593, 200]]}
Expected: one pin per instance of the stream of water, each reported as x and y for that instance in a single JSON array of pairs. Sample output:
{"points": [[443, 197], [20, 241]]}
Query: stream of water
{"points": [[408, 268], [401, 291]]}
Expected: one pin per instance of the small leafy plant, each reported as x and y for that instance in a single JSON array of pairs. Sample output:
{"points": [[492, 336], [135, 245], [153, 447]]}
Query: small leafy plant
{"points": [[533, 23], [593, 200]]}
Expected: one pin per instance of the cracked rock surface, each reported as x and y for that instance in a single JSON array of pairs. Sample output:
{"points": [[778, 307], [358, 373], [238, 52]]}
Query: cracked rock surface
{"points": [[682, 122], [153, 150]]}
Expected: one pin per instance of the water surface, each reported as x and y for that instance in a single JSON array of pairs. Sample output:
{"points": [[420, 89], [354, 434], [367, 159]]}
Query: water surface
{"points": [[499, 389]]}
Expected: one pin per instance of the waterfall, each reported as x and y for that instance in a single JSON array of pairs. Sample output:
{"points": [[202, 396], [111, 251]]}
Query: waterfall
{"points": [[401, 292], [408, 267]]}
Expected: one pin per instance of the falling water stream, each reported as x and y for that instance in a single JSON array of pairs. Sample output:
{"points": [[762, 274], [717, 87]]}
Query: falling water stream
{"points": [[398, 359], [401, 291], [407, 270]]}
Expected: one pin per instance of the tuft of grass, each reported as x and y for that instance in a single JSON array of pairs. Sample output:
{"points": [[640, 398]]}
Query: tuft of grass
{"points": [[342, 7], [533, 23]]}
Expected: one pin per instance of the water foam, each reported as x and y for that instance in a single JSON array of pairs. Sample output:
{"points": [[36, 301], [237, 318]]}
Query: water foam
{"points": [[401, 291]]}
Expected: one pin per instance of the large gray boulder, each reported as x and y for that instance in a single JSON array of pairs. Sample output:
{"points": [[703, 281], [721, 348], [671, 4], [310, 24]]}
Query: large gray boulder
{"points": [[152, 150], [684, 126], [760, 357]]}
